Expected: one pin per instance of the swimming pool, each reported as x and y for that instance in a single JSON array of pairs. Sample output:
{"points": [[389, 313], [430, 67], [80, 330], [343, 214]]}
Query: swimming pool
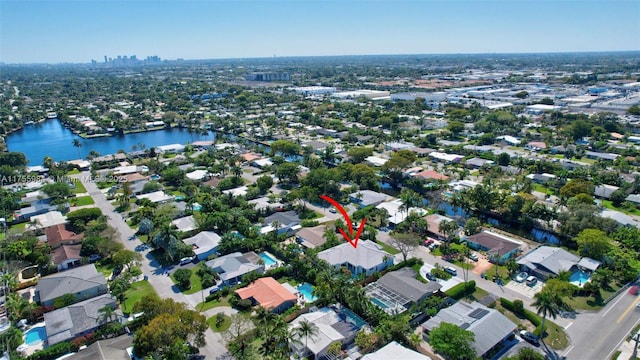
{"points": [[306, 290], [355, 319], [35, 335], [380, 303], [268, 259], [579, 278], [196, 207]]}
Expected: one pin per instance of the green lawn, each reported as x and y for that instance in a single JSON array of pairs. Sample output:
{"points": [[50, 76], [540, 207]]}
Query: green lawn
{"points": [[82, 201], [79, 188], [390, 249], [589, 302], [137, 291], [503, 273], [543, 189], [18, 227], [223, 326], [196, 285], [629, 211], [105, 266], [2, 235], [73, 172], [555, 336], [213, 304]]}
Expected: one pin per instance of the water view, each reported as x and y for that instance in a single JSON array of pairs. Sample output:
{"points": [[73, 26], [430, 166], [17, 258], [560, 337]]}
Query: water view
{"points": [[50, 138]]}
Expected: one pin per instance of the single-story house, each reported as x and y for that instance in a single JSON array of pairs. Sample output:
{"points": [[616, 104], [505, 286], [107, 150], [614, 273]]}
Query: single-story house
{"points": [[396, 146], [198, 175], [429, 175], [604, 191], [376, 161], [239, 191], [38, 208], [600, 156], [366, 198], [333, 326], [477, 163], [535, 146], [83, 282], [171, 148], [393, 350], [541, 178], [204, 243], [549, 261], [499, 247], [311, 237], [286, 219], [397, 290], [511, 140], [490, 327], [185, 224], [78, 319], [156, 197], [317, 146], [262, 163], [433, 225], [268, 293], [445, 158], [232, 267], [397, 213], [367, 258], [58, 235], [134, 178], [45, 220], [66, 256], [621, 218], [249, 157], [109, 349], [264, 203]]}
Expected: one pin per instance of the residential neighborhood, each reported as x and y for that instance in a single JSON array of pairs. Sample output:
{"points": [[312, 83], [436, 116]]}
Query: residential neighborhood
{"points": [[492, 212]]}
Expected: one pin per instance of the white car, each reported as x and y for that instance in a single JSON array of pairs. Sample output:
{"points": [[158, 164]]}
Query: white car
{"points": [[473, 256], [186, 260], [521, 277], [532, 280]]}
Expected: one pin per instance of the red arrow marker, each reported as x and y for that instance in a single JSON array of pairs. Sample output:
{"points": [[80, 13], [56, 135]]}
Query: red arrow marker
{"points": [[354, 241]]}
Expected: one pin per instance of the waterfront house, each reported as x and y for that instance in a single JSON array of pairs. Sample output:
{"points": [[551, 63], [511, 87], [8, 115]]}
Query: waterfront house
{"points": [[367, 258]]}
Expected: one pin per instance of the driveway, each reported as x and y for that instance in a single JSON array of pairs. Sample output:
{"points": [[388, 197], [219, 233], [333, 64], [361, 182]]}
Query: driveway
{"points": [[164, 287], [525, 289]]}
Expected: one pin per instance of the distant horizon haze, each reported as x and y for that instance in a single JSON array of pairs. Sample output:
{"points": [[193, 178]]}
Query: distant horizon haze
{"points": [[67, 31]]}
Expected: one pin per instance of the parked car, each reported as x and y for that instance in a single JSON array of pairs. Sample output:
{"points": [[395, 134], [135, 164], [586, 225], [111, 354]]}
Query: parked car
{"points": [[333, 210], [532, 280], [530, 337], [214, 290], [94, 258], [433, 246], [473, 256], [428, 242], [521, 277], [431, 277], [634, 290], [186, 260], [451, 270]]}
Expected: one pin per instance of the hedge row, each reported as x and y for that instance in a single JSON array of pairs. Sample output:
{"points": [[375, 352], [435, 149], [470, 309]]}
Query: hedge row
{"points": [[461, 290], [528, 314]]}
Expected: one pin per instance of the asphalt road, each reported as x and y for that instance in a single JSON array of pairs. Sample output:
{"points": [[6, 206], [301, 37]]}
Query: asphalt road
{"points": [[215, 347], [597, 335]]}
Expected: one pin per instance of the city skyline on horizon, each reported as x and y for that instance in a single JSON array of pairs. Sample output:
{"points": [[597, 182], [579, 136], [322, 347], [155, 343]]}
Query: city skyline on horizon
{"points": [[199, 30]]}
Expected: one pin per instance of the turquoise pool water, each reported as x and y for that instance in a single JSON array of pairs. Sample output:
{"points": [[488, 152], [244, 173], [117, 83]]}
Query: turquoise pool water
{"points": [[268, 260], [179, 197], [579, 278], [357, 320], [35, 335], [306, 290], [197, 207], [380, 303]]}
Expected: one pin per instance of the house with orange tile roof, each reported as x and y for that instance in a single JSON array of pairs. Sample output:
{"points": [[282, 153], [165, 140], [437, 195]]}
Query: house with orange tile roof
{"points": [[430, 175], [58, 235], [67, 256], [268, 293]]}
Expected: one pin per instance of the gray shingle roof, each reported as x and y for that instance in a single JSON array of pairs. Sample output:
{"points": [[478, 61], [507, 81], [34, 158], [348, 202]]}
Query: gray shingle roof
{"points": [[549, 259], [284, 218], [488, 325], [203, 241], [109, 349], [232, 265], [70, 282], [67, 322], [367, 255], [404, 282]]}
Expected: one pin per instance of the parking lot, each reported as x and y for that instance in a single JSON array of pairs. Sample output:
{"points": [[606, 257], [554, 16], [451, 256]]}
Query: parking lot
{"points": [[524, 289]]}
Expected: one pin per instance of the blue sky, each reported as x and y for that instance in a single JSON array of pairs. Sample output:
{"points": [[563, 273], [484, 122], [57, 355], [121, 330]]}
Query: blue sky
{"points": [[78, 31]]}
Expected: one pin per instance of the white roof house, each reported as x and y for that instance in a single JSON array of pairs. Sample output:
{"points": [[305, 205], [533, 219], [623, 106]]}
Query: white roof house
{"points": [[204, 243], [331, 328], [393, 350], [239, 191], [397, 214], [368, 257], [444, 157], [171, 148], [156, 197], [184, 224], [198, 174], [376, 161]]}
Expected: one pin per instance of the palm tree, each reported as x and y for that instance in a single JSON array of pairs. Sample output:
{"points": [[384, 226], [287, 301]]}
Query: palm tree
{"points": [[547, 304], [106, 313], [77, 144], [306, 329]]}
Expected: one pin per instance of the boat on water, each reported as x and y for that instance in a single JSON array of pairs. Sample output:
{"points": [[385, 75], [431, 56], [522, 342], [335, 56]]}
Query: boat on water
{"points": [[52, 115]]}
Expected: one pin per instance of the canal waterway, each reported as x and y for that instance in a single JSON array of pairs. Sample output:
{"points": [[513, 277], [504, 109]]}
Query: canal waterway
{"points": [[51, 138]]}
